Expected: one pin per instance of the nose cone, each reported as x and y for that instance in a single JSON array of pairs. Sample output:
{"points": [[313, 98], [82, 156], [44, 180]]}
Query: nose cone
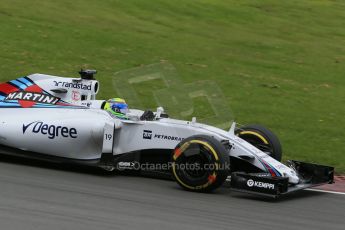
{"points": [[293, 178]]}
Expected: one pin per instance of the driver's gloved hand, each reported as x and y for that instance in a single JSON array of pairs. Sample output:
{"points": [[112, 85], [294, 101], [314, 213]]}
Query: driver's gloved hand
{"points": [[148, 115]]}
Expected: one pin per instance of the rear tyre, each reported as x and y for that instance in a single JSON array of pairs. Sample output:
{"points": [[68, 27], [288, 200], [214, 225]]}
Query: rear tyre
{"points": [[200, 163], [262, 138]]}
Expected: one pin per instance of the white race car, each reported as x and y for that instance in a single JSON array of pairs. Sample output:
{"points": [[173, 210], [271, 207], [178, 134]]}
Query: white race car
{"points": [[59, 119]]}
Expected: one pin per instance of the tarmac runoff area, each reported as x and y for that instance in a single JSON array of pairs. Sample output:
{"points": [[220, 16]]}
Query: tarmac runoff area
{"points": [[337, 188], [36, 195]]}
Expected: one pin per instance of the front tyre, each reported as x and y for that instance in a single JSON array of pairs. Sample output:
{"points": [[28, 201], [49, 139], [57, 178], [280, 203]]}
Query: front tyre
{"points": [[262, 138], [200, 163]]}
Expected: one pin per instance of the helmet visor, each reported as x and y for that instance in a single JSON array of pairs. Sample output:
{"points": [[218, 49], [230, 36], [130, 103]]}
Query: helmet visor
{"points": [[120, 108]]}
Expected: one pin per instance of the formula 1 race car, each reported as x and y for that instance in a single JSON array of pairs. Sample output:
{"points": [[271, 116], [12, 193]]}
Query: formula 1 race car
{"points": [[59, 119]]}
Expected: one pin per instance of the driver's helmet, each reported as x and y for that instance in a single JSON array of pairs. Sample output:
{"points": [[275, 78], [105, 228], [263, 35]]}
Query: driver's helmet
{"points": [[117, 106]]}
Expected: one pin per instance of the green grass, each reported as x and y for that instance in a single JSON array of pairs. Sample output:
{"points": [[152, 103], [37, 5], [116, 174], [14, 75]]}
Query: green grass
{"points": [[279, 63]]}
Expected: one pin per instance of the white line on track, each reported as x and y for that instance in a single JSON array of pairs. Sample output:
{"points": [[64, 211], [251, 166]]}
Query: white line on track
{"points": [[325, 191]]}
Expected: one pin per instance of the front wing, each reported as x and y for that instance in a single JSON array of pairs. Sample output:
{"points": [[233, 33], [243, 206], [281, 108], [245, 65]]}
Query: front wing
{"points": [[262, 184]]}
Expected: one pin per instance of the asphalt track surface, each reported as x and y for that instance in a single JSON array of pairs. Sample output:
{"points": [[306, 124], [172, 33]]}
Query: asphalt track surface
{"points": [[33, 196]]}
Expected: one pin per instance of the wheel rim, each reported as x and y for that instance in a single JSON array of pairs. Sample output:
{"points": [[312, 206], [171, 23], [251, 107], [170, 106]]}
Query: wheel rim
{"points": [[194, 164], [198, 161]]}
